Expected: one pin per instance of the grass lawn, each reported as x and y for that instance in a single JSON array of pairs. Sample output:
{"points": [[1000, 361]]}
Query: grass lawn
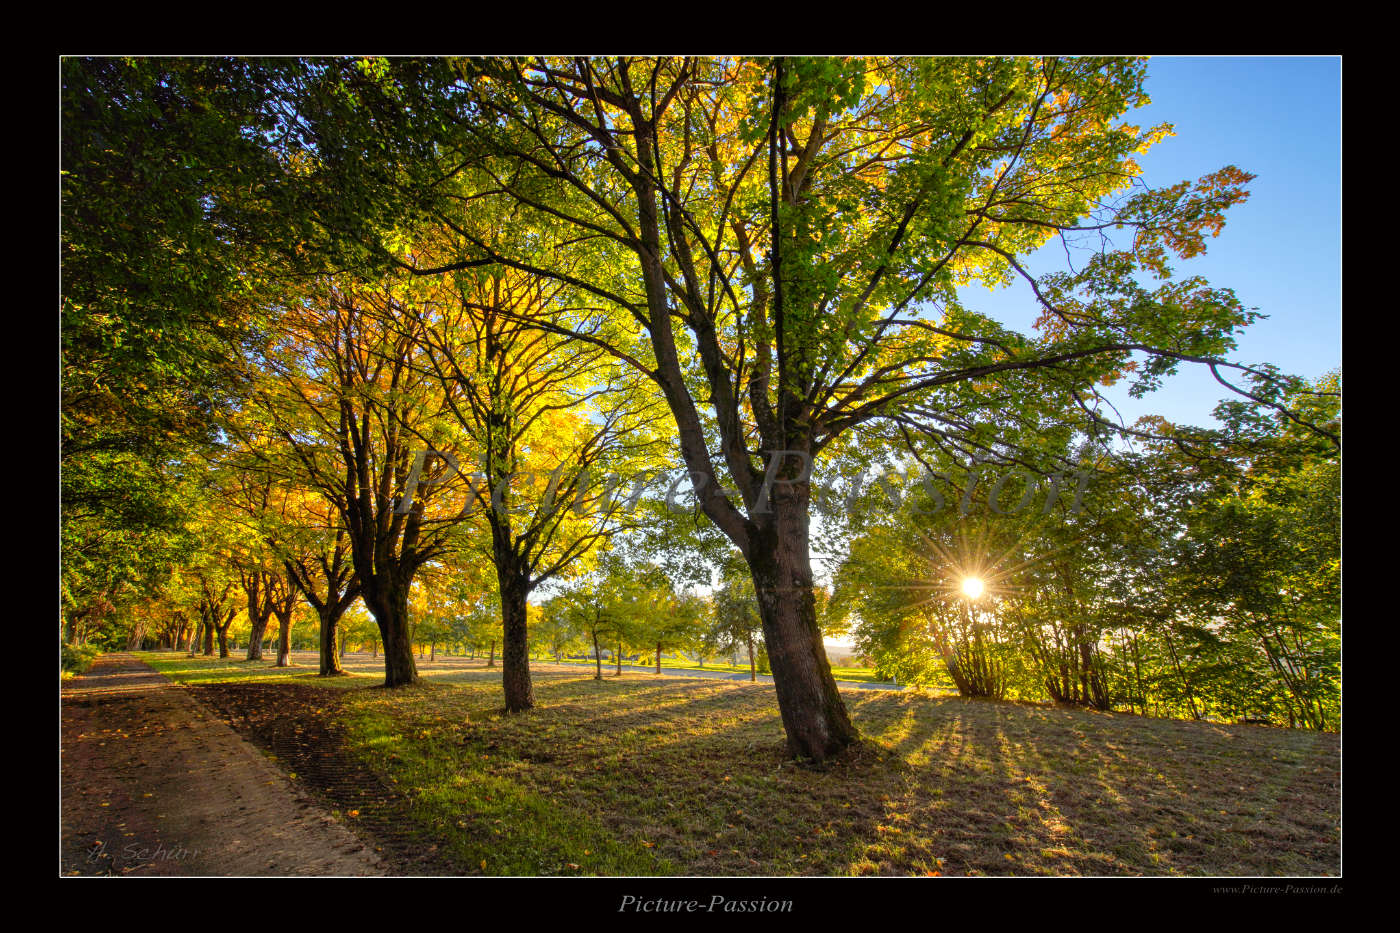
{"points": [[648, 775], [850, 674], [853, 674]]}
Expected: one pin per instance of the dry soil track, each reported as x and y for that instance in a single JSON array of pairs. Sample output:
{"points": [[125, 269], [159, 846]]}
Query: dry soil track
{"points": [[155, 784]]}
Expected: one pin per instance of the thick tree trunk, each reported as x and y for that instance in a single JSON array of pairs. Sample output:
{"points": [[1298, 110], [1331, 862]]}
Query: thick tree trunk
{"points": [[390, 611], [223, 642], [331, 652], [255, 641], [208, 640], [284, 640], [814, 716], [515, 646]]}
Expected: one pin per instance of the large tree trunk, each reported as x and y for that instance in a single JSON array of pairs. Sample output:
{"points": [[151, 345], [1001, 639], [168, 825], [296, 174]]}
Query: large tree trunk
{"points": [[255, 640], [814, 716], [208, 640], [256, 586], [391, 612], [223, 641], [331, 653], [284, 640], [515, 646]]}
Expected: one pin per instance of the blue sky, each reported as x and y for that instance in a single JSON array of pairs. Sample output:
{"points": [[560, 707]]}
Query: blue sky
{"points": [[1279, 119]]}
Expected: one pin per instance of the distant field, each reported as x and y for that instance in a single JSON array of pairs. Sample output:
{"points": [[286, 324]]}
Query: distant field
{"points": [[644, 775]]}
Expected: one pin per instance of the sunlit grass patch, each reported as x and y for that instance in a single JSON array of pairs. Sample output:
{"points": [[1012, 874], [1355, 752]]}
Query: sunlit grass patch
{"points": [[485, 808]]}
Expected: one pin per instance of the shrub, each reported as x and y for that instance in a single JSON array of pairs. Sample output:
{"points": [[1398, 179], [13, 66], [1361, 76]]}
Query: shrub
{"points": [[78, 658]]}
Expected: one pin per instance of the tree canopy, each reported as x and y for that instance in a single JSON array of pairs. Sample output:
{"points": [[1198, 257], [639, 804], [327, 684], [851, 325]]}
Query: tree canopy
{"points": [[434, 312]]}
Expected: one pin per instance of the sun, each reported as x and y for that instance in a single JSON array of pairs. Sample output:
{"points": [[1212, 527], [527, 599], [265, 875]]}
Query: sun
{"points": [[973, 587]]}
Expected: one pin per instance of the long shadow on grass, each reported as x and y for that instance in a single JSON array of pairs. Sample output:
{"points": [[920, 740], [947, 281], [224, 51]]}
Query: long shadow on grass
{"points": [[710, 789]]}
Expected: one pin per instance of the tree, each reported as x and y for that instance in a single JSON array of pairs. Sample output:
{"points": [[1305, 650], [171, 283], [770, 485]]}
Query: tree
{"points": [[903, 579], [735, 622], [361, 629], [556, 628], [432, 611], [348, 396], [674, 622], [600, 606], [1196, 576], [299, 540], [545, 419], [786, 238], [640, 607], [1261, 559], [326, 577], [284, 600], [217, 610], [162, 161], [258, 587]]}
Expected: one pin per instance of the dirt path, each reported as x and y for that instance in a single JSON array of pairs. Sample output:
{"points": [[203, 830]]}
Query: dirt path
{"points": [[154, 784]]}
